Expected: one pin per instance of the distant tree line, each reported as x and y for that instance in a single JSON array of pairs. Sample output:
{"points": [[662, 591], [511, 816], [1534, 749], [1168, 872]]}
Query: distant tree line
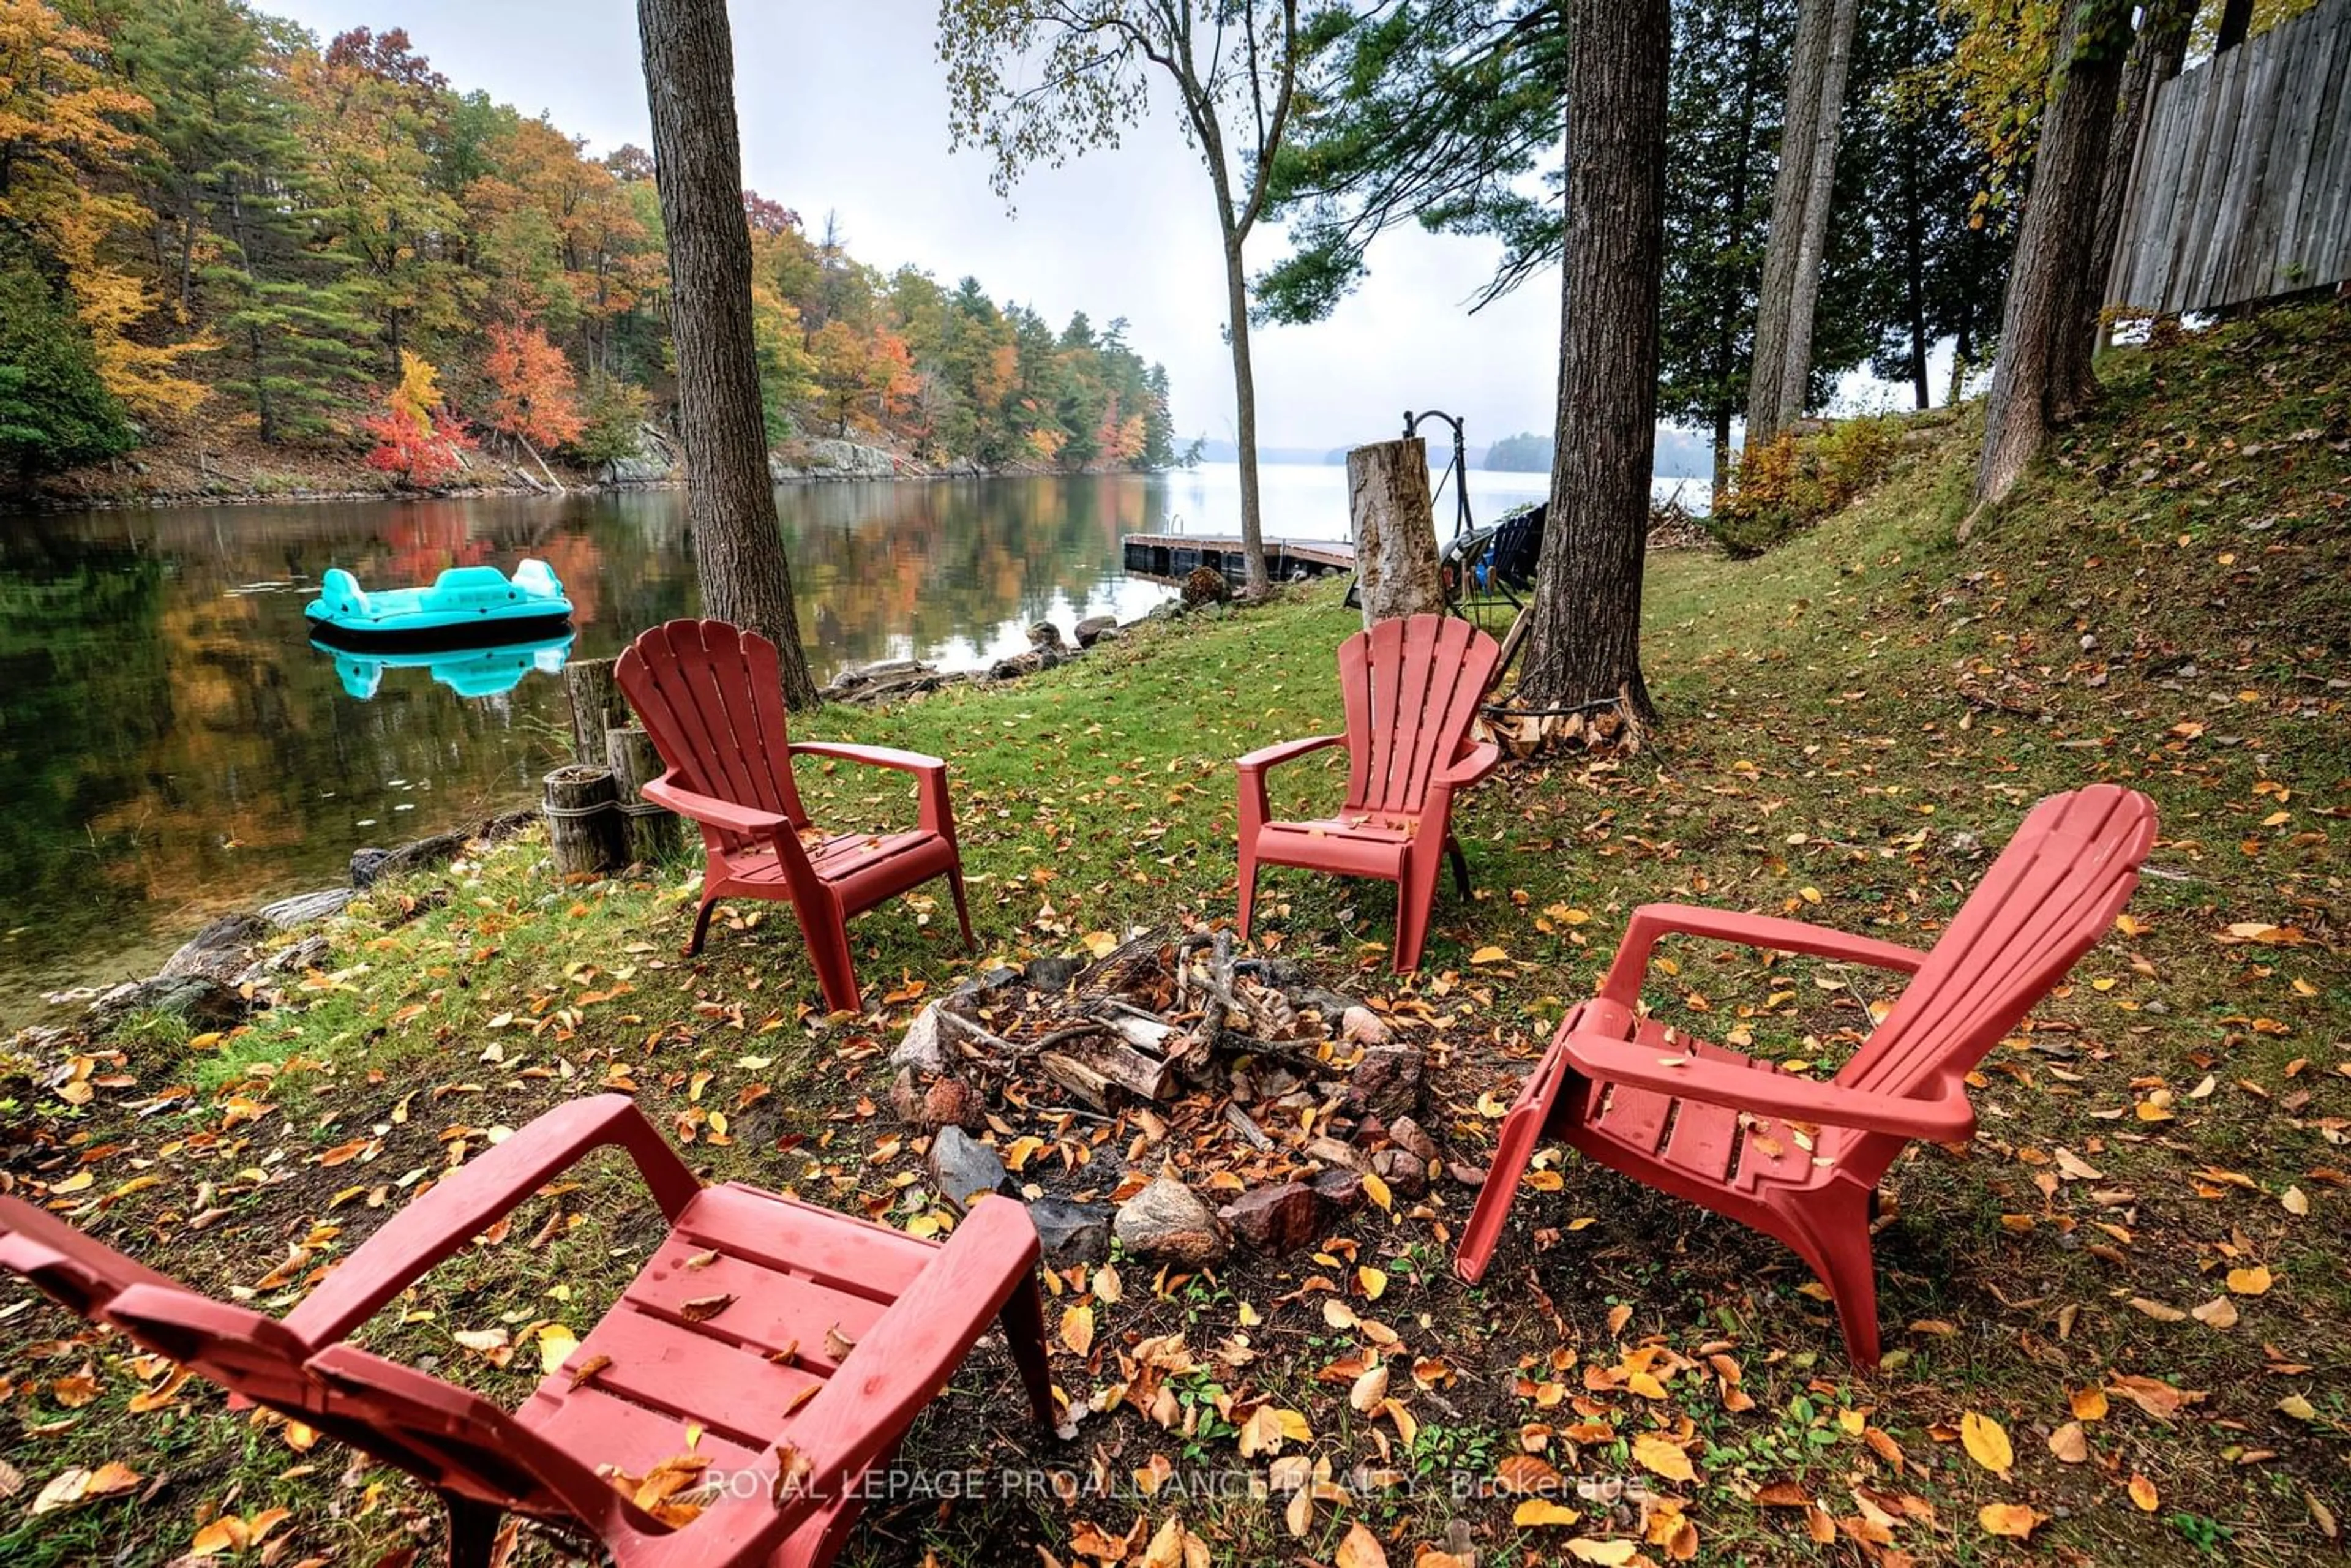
{"points": [[211, 224]]}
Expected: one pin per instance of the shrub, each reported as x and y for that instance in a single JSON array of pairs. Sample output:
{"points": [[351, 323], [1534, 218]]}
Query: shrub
{"points": [[1794, 481]]}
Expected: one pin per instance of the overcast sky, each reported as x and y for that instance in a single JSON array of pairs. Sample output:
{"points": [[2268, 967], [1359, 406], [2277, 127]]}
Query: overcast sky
{"points": [[844, 109]]}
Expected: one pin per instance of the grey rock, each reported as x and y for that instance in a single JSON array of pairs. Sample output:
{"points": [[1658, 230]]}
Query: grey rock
{"points": [[220, 951], [1387, 1080], [1409, 1136], [307, 908], [1095, 629], [301, 957], [964, 1168], [1341, 1187], [1072, 1232], [924, 1045], [1165, 1220], [1278, 1219], [1404, 1172], [1052, 972], [1336, 1152], [204, 1002], [370, 866], [1044, 634]]}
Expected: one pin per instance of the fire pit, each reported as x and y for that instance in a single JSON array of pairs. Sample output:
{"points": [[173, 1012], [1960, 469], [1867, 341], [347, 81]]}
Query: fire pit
{"points": [[1125, 1095]]}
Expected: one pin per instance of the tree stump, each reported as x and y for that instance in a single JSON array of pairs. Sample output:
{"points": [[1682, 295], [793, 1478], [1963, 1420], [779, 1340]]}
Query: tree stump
{"points": [[583, 823], [1395, 526], [648, 832], [597, 705]]}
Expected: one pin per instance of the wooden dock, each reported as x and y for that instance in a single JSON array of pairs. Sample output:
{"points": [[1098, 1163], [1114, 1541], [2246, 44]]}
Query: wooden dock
{"points": [[1172, 558]]}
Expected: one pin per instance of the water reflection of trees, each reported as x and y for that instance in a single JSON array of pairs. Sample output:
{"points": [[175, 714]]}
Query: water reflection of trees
{"points": [[169, 740]]}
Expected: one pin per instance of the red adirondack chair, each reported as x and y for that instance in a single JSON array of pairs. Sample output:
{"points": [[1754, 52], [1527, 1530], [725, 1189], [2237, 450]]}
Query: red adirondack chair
{"points": [[1795, 1158], [711, 696], [1411, 688], [736, 1325]]}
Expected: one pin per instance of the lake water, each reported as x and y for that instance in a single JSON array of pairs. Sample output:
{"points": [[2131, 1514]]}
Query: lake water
{"points": [[172, 747]]}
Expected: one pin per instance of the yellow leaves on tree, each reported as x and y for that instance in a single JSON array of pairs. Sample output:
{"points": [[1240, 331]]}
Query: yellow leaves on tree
{"points": [[415, 438], [64, 137]]}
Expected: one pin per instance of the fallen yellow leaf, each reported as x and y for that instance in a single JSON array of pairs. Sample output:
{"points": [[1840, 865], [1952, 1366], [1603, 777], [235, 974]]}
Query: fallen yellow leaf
{"points": [[1661, 1455], [1986, 1441], [2013, 1519]]}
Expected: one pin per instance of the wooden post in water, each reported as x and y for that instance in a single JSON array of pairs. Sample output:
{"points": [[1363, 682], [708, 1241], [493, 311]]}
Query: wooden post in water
{"points": [[583, 820], [1395, 525], [597, 705], [647, 831]]}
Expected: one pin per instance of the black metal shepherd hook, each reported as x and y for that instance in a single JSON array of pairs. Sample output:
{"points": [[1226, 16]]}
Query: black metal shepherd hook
{"points": [[1459, 472]]}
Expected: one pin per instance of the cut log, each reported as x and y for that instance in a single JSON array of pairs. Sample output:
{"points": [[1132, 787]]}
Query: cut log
{"points": [[583, 823], [1395, 526], [648, 833], [597, 705], [1080, 1080]]}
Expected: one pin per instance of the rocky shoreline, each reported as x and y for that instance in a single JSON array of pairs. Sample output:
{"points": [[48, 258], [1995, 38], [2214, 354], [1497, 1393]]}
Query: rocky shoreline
{"points": [[164, 479]]}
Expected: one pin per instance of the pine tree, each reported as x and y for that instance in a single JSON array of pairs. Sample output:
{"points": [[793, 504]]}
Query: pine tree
{"points": [[294, 349], [1727, 91], [55, 409]]}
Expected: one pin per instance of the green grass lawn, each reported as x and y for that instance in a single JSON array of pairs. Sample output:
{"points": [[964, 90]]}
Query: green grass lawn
{"points": [[1854, 724]]}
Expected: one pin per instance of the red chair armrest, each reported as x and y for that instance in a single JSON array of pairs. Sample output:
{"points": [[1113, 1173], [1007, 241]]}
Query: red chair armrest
{"points": [[1652, 921], [1275, 755], [1949, 1120], [1472, 766], [871, 756], [709, 809], [930, 772], [462, 1206], [893, 1371]]}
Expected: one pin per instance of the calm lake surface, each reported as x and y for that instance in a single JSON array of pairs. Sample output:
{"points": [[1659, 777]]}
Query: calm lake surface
{"points": [[172, 747]]}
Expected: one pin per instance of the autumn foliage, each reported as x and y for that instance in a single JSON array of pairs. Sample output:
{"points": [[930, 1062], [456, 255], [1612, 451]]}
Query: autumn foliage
{"points": [[534, 396], [417, 440]]}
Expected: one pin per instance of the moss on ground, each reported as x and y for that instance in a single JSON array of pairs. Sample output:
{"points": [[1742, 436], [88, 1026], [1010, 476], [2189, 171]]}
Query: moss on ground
{"points": [[1854, 723]]}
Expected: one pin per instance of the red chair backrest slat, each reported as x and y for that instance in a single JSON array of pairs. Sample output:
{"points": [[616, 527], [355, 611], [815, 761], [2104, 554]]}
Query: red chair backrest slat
{"points": [[1411, 688], [712, 697], [2048, 898]]}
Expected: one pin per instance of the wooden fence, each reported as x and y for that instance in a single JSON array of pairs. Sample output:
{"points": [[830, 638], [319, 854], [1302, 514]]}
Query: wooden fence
{"points": [[2243, 188]]}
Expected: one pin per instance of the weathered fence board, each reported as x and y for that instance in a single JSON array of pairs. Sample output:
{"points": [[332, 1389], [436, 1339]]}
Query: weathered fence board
{"points": [[2243, 188]]}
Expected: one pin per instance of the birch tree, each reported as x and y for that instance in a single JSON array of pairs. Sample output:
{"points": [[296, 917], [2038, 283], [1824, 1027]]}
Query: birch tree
{"points": [[1044, 81]]}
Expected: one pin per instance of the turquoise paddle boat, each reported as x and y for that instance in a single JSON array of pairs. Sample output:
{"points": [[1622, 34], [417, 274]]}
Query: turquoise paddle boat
{"points": [[466, 605], [468, 672]]}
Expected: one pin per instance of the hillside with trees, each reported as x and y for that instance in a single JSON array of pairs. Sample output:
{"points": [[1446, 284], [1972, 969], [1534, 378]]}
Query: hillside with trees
{"points": [[231, 251]]}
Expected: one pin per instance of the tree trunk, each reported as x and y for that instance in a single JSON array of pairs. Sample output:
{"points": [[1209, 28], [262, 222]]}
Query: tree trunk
{"points": [[1784, 241], [1914, 273], [2236, 21], [1585, 647], [1796, 360], [583, 820], [597, 709], [1395, 526], [2028, 395], [1257, 581], [738, 547], [2155, 58]]}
